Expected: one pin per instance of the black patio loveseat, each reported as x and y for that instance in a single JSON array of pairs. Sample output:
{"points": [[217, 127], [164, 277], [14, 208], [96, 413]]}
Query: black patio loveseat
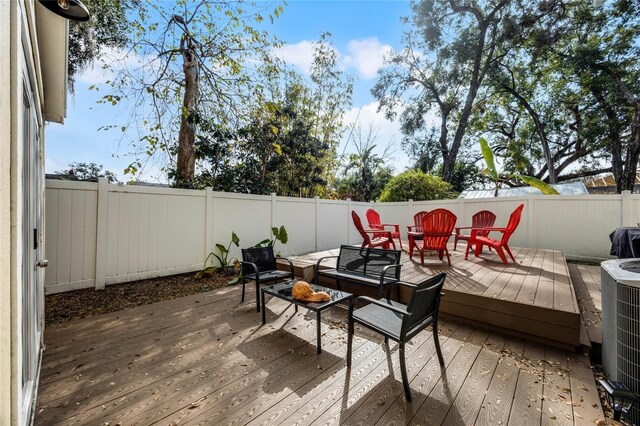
{"points": [[364, 266]]}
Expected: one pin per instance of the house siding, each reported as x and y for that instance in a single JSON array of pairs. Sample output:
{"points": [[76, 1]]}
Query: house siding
{"points": [[7, 10]]}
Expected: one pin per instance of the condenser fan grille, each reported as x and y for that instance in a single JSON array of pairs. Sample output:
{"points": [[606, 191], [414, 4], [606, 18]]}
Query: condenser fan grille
{"points": [[628, 333]]}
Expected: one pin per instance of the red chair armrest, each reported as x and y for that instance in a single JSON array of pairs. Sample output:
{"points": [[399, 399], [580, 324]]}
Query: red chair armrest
{"points": [[395, 226], [490, 229]]}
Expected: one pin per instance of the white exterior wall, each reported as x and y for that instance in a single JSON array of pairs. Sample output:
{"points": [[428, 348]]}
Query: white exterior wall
{"points": [[6, 37], [24, 76], [149, 232]]}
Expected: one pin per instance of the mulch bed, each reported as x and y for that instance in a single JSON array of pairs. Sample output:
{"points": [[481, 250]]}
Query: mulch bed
{"points": [[73, 305]]}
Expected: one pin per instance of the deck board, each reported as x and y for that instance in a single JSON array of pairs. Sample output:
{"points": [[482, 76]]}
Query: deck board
{"points": [[532, 297], [588, 295], [206, 359]]}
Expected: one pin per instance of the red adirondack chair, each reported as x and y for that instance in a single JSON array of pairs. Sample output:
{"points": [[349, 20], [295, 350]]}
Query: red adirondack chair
{"points": [[437, 226], [499, 245], [378, 238], [373, 217], [482, 219], [414, 232]]}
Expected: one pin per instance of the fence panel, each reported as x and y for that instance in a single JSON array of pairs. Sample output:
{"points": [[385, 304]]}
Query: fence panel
{"points": [[153, 231], [249, 216], [298, 215], [334, 224], [70, 245], [147, 231]]}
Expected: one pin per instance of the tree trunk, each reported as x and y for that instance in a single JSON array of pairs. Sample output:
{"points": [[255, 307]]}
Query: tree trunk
{"points": [[479, 69], [633, 151], [548, 157], [185, 168]]}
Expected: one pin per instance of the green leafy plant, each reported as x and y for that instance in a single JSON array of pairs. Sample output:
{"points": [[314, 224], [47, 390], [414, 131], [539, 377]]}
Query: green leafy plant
{"points": [[416, 185], [499, 179], [279, 234], [222, 257]]}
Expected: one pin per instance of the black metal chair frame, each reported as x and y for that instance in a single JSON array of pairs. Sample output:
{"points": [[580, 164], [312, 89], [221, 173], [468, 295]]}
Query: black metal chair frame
{"points": [[263, 273], [377, 278], [407, 330]]}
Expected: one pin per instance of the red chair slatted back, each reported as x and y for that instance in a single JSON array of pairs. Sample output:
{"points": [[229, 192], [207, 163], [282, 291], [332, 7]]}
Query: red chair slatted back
{"points": [[437, 226], [373, 217], [514, 221], [483, 219], [417, 220], [358, 224]]}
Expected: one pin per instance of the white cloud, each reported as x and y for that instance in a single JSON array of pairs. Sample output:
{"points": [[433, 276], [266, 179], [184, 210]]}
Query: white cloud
{"points": [[298, 54], [366, 56]]}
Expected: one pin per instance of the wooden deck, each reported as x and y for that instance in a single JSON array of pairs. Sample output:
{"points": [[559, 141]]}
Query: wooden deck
{"points": [[586, 281], [532, 298], [206, 359]]}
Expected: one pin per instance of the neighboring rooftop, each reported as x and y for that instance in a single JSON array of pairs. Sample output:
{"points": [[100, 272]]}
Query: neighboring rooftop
{"points": [[569, 188]]}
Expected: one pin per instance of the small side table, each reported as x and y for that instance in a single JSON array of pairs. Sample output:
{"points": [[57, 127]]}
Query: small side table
{"points": [[283, 291]]}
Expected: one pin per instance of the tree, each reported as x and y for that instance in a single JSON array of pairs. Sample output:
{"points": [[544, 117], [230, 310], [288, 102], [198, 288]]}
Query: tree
{"points": [[87, 171], [106, 29], [443, 67], [601, 48], [198, 63], [563, 97], [287, 144], [416, 186], [365, 174]]}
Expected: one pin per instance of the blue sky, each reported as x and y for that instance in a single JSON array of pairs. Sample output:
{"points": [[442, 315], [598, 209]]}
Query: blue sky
{"points": [[362, 32]]}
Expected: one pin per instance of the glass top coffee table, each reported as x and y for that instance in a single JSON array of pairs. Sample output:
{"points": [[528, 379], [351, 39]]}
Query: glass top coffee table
{"points": [[283, 291]]}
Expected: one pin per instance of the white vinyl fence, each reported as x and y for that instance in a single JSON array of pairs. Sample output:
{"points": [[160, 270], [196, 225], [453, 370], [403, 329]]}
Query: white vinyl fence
{"points": [[99, 233]]}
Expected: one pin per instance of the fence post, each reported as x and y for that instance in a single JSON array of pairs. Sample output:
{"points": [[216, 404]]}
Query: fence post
{"points": [[101, 233], [626, 217], [317, 200], [461, 216], [348, 220], [208, 221], [532, 240], [273, 213]]}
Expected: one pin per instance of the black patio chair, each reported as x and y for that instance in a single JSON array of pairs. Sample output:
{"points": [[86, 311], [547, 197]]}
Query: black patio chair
{"points": [[259, 265], [401, 322]]}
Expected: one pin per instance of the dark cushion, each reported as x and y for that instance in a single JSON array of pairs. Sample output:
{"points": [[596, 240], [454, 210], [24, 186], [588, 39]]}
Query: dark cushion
{"points": [[355, 277], [270, 275], [379, 318]]}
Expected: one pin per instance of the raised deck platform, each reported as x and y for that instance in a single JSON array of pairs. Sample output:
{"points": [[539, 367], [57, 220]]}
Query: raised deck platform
{"points": [[532, 298]]}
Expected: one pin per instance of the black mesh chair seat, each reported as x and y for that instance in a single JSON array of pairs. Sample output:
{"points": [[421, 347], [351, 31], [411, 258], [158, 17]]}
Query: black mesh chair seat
{"points": [[400, 322], [269, 275], [385, 320], [259, 265], [354, 276]]}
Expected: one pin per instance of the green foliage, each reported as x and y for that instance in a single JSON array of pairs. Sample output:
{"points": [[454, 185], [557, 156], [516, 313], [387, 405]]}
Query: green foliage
{"points": [[442, 69], [489, 159], [365, 174], [224, 263], [86, 171], [287, 143], [107, 28], [499, 180], [279, 234], [416, 185], [199, 66]]}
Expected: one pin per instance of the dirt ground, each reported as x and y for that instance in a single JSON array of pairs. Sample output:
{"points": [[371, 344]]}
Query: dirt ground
{"points": [[79, 304]]}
